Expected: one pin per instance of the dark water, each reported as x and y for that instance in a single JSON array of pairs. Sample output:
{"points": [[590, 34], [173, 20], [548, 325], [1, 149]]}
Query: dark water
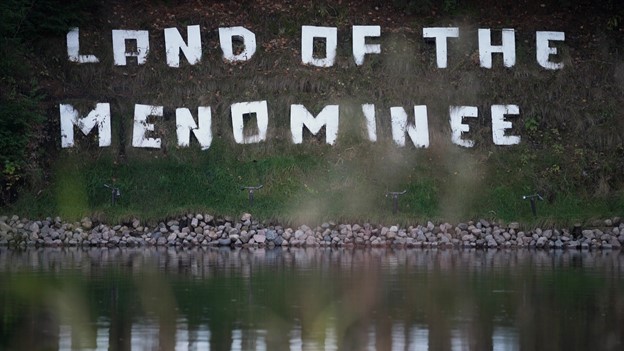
{"points": [[310, 299]]}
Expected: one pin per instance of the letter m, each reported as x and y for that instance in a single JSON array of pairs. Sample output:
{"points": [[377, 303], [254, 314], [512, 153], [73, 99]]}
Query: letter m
{"points": [[100, 116], [300, 117]]}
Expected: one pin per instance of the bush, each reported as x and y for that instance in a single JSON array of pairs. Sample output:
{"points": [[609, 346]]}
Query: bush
{"points": [[22, 24]]}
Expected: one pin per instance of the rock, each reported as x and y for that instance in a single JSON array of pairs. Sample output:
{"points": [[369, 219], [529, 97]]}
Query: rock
{"points": [[86, 223], [225, 242], [287, 234], [514, 225], [246, 217], [310, 241], [468, 237], [208, 219], [615, 243], [588, 234], [271, 235], [558, 244], [34, 227], [506, 236], [259, 238], [5, 228], [299, 234], [430, 226], [573, 244], [421, 236], [491, 243]]}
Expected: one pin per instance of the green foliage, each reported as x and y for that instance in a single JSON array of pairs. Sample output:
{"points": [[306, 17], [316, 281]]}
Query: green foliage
{"points": [[531, 125], [29, 20], [22, 24]]}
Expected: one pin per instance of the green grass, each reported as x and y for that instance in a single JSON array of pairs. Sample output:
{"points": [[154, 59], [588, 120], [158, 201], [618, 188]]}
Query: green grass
{"points": [[309, 184]]}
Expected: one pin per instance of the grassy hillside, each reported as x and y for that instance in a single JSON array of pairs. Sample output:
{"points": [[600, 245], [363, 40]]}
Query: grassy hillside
{"points": [[570, 121]]}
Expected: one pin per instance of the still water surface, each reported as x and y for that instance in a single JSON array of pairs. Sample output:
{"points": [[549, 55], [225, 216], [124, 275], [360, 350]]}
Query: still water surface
{"points": [[310, 299]]}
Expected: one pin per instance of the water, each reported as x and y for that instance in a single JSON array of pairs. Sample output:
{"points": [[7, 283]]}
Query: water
{"points": [[310, 299]]}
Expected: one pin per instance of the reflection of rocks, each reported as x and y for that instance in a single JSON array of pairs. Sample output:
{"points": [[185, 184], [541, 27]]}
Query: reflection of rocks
{"points": [[205, 230], [209, 261]]}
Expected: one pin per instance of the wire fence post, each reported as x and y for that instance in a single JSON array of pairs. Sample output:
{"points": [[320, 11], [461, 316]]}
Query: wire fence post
{"points": [[395, 199], [115, 193], [251, 190], [532, 199]]}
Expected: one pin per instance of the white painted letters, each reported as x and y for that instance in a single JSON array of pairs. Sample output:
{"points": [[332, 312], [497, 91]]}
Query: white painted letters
{"points": [[328, 117], [371, 123], [257, 108], [185, 124], [73, 48], [457, 114], [99, 116], [499, 125], [441, 34], [508, 47], [226, 36], [141, 126], [542, 40], [419, 132], [174, 44], [360, 48], [308, 33], [119, 46]]}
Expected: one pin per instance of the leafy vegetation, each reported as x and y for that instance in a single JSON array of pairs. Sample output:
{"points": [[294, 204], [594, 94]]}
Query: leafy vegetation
{"points": [[23, 23]]}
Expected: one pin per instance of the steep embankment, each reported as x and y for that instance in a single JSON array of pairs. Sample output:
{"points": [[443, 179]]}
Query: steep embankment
{"points": [[569, 120]]}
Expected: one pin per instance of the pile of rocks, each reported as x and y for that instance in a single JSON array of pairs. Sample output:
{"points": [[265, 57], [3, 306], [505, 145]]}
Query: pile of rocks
{"points": [[206, 230]]}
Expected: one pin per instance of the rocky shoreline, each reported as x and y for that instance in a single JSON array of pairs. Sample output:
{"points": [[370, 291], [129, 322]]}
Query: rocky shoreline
{"points": [[206, 230]]}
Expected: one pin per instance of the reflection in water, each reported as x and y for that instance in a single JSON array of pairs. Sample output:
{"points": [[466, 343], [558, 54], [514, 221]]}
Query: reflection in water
{"points": [[310, 299], [143, 337]]}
